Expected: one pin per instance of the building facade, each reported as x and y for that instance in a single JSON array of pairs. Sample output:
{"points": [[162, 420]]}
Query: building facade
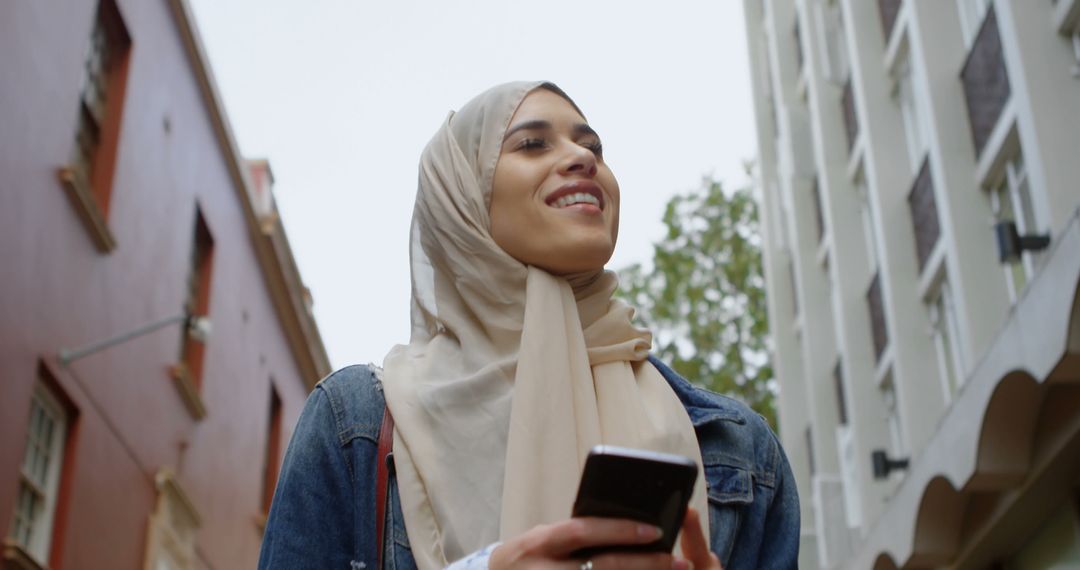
{"points": [[156, 341], [919, 185]]}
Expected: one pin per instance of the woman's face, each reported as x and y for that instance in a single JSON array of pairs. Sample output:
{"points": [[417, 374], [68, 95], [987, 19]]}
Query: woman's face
{"points": [[554, 202]]}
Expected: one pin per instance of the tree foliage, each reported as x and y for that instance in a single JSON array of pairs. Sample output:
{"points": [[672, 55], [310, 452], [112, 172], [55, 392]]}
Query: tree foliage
{"points": [[704, 297]]}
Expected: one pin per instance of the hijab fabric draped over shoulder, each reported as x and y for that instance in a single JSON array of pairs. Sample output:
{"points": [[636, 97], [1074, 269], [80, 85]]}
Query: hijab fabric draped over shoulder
{"points": [[511, 374]]}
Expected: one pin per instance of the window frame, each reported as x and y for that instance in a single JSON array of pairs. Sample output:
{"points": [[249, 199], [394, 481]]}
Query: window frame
{"points": [[272, 451], [89, 187], [172, 525], [39, 545], [907, 100], [890, 400], [972, 13], [187, 373], [869, 227], [843, 417], [832, 27], [948, 344], [1075, 40], [797, 43], [1011, 199], [820, 227]]}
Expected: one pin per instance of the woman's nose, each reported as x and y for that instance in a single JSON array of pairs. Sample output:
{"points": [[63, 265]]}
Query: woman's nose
{"points": [[579, 160]]}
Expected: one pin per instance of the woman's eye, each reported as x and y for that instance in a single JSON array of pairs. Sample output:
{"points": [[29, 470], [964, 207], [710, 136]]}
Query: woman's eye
{"points": [[532, 144], [595, 147]]}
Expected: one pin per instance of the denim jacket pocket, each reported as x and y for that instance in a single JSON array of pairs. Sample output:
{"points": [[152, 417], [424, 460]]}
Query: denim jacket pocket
{"points": [[730, 491]]}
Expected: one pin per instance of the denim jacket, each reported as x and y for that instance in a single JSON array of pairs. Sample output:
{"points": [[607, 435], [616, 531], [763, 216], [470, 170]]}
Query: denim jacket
{"points": [[323, 511]]}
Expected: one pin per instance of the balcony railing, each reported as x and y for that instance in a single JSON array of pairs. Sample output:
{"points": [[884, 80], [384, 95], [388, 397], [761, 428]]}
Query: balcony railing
{"points": [[888, 9], [924, 214], [986, 81], [851, 120], [878, 329]]}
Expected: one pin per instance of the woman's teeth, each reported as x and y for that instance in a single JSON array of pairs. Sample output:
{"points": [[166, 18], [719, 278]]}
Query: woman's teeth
{"points": [[579, 198]]}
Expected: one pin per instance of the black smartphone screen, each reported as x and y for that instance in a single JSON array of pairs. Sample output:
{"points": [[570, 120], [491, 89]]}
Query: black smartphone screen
{"points": [[644, 486]]}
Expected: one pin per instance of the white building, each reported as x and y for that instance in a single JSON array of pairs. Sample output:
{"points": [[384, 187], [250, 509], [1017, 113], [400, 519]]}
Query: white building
{"points": [[904, 145]]}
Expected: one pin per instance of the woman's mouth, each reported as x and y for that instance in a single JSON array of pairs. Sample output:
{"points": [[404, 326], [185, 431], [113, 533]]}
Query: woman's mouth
{"points": [[583, 195], [574, 199]]}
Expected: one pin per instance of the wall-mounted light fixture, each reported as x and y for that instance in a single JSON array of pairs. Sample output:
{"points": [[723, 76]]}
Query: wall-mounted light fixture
{"points": [[1011, 244], [198, 326], [883, 464]]}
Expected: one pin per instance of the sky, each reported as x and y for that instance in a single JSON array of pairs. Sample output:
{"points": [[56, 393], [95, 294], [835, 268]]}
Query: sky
{"points": [[342, 95]]}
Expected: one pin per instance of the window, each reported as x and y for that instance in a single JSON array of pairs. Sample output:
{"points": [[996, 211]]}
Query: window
{"points": [[88, 176], [189, 372], [1076, 51], [868, 226], [924, 216], [916, 134], [946, 334], [986, 82], [39, 475], [170, 541], [767, 86], [841, 398], [831, 25], [851, 117], [797, 32], [815, 191], [197, 301], [878, 328], [888, 10], [780, 215], [272, 454], [794, 288], [1011, 200], [892, 417], [971, 17]]}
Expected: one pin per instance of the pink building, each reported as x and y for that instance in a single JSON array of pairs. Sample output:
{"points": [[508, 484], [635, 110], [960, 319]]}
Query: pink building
{"points": [[124, 203]]}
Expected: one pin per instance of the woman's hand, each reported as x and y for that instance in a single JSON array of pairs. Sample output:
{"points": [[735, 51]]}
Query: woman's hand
{"points": [[550, 546], [694, 545]]}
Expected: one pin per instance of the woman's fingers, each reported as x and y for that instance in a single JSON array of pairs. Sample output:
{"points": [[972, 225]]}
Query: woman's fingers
{"points": [[695, 547], [577, 533], [639, 561], [555, 545]]}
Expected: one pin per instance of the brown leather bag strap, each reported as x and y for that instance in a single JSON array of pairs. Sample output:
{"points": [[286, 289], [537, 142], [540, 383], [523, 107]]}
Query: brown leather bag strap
{"points": [[386, 447]]}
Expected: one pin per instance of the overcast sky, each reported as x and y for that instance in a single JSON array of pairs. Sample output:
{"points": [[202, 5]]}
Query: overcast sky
{"points": [[342, 95]]}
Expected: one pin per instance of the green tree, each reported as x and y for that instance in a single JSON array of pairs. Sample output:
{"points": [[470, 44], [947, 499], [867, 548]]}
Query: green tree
{"points": [[704, 297]]}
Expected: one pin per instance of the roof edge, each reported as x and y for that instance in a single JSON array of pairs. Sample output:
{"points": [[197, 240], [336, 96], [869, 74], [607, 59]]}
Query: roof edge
{"points": [[952, 454]]}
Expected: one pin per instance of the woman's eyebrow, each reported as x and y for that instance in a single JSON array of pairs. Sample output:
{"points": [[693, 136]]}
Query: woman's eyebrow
{"points": [[582, 129], [538, 124]]}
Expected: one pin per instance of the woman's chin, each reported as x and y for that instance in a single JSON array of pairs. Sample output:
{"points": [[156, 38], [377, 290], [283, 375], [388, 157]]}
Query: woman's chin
{"points": [[580, 260]]}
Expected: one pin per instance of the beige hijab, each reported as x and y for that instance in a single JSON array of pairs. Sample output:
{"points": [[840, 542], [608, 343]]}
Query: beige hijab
{"points": [[511, 374]]}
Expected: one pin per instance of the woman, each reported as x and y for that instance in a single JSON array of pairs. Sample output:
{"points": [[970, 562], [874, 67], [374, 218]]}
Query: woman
{"points": [[519, 362]]}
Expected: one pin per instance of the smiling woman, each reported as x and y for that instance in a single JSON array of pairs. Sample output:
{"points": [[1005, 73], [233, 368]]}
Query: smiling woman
{"points": [[554, 201], [520, 360]]}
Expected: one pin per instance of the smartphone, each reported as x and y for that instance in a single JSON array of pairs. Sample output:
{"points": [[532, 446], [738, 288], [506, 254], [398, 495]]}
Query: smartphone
{"points": [[644, 486]]}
